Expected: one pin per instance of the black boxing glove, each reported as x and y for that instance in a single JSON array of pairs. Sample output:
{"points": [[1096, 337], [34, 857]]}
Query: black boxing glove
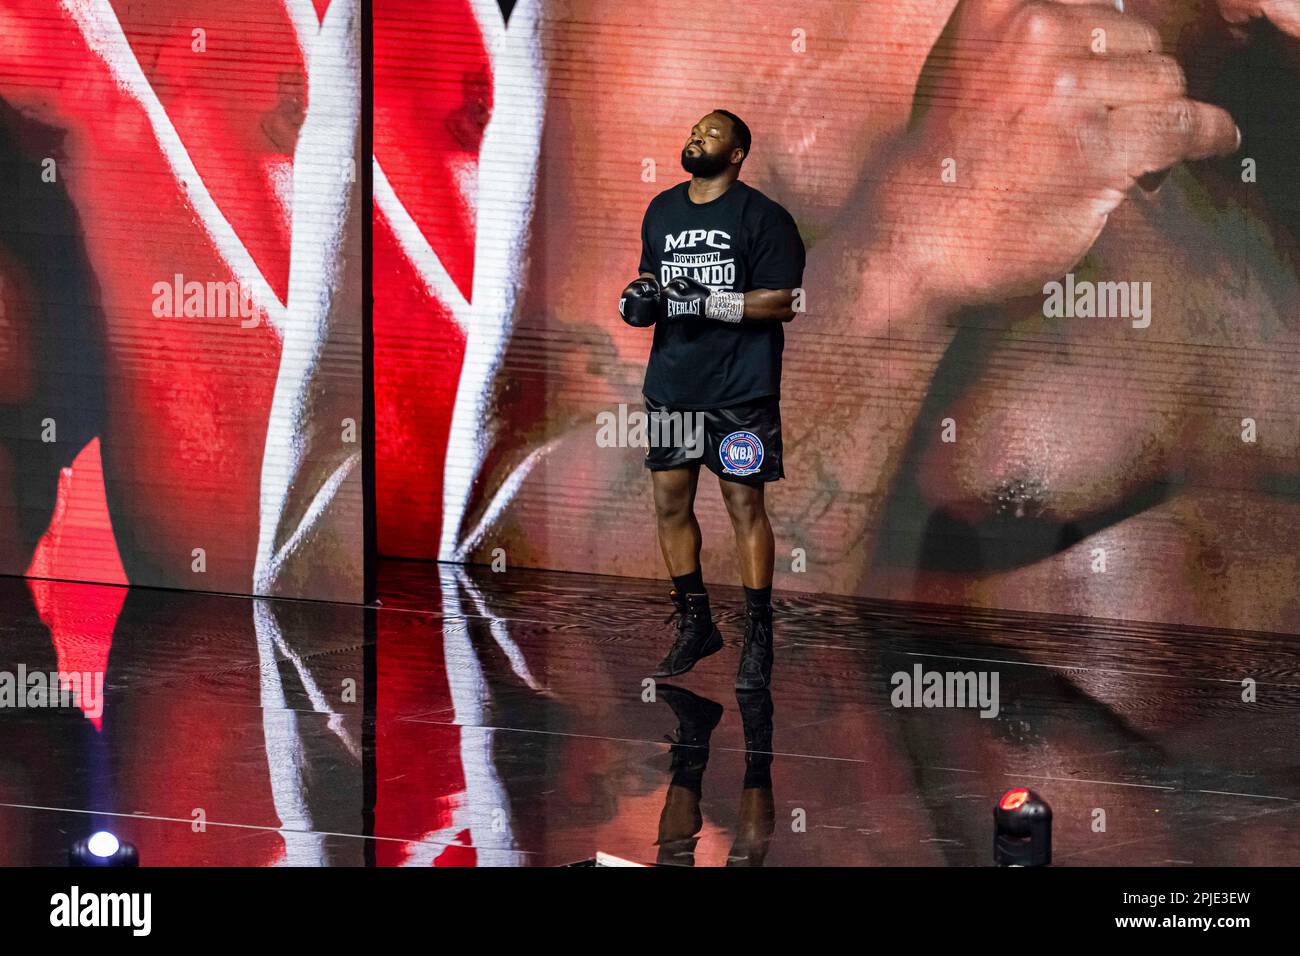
{"points": [[641, 303], [686, 298]]}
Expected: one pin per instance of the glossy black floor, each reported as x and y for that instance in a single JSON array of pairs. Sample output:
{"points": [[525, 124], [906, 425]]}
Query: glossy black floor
{"points": [[486, 719]]}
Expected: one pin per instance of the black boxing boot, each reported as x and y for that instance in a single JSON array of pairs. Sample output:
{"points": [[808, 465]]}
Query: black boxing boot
{"points": [[697, 718], [756, 722], [697, 637], [755, 671], [681, 821], [757, 820]]}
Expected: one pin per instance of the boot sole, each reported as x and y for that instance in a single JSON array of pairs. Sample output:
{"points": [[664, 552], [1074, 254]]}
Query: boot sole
{"points": [[711, 648]]}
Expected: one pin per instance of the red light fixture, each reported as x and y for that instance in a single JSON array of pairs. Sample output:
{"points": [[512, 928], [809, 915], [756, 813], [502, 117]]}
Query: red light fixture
{"points": [[1022, 829], [1014, 799]]}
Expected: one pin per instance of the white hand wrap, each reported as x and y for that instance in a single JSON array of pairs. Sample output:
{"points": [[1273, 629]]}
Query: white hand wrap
{"points": [[725, 306]]}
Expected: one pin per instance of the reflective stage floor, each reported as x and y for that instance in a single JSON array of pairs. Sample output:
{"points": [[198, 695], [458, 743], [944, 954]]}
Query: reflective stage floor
{"points": [[504, 719]]}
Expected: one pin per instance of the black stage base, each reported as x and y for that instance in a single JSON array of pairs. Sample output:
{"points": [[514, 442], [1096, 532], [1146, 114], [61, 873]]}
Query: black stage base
{"points": [[481, 719]]}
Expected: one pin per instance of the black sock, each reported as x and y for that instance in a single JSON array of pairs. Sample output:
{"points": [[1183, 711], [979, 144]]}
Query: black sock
{"points": [[758, 773], [757, 599], [692, 583], [690, 776]]}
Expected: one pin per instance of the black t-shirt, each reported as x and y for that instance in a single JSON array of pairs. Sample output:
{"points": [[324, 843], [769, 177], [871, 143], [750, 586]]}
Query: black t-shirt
{"points": [[740, 241]]}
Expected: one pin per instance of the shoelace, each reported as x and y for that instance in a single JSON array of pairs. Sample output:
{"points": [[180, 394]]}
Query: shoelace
{"points": [[680, 615], [677, 617], [755, 627]]}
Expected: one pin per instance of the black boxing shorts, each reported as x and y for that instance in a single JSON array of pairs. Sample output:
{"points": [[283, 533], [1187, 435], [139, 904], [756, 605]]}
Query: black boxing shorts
{"points": [[741, 443]]}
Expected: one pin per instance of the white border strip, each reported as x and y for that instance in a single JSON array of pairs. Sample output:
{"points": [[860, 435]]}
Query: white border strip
{"points": [[437, 281], [323, 193], [506, 194], [105, 37], [306, 25]]}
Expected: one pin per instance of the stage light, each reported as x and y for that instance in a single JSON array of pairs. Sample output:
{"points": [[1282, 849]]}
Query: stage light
{"points": [[103, 849], [1022, 829], [103, 845], [1014, 799]]}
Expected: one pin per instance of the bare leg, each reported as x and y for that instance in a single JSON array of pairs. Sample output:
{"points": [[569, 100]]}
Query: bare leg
{"points": [[755, 545], [679, 532]]}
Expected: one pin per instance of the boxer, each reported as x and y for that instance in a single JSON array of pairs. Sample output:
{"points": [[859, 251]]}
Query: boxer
{"points": [[720, 267]]}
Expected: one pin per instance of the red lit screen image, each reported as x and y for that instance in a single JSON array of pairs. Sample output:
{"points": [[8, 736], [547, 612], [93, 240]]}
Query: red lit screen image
{"points": [[1048, 354], [180, 294]]}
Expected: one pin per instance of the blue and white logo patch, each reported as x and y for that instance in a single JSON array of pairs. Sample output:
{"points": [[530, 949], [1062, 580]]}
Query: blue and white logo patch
{"points": [[741, 453]]}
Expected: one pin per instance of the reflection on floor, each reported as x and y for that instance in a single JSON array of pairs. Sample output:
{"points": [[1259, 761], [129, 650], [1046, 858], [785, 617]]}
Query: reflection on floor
{"points": [[488, 719]]}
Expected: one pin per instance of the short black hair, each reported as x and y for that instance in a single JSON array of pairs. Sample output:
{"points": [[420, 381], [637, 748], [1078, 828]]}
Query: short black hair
{"points": [[741, 129]]}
